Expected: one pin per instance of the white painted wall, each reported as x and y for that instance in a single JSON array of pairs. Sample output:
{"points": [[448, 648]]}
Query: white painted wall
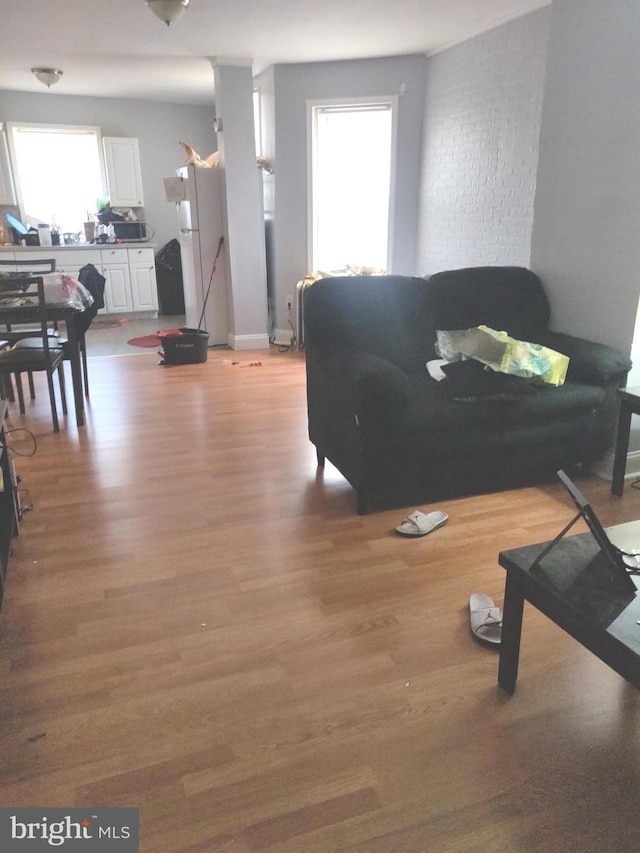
{"points": [[288, 88], [480, 152], [158, 127], [586, 244]]}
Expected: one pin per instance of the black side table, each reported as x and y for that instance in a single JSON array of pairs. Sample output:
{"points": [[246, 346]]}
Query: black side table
{"points": [[629, 399]]}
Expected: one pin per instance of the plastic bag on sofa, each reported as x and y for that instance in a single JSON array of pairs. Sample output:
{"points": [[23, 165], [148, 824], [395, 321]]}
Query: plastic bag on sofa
{"points": [[505, 354]]}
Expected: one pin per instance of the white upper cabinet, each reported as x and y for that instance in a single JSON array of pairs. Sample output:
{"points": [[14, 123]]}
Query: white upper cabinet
{"points": [[124, 177], [7, 193]]}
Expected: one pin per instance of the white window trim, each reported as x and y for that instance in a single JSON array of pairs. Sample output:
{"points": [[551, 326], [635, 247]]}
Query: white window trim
{"points": [[373, 100], [7, 182]]}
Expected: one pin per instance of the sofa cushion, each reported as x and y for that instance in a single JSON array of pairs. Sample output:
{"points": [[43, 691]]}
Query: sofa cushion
{"points": [[483, 424], [509, 299], [379, 383], [470, 380]]}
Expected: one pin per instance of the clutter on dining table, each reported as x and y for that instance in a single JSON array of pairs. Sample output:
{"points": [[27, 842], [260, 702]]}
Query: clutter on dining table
{"points": [[59, 289]]}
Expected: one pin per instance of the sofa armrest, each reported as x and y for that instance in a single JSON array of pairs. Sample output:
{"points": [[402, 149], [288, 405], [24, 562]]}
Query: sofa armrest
{"points": [[376, 383], [590, 362]]}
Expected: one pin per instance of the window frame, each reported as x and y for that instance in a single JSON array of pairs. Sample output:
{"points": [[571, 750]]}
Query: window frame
{"points": [[373, 101], [45, 127]]}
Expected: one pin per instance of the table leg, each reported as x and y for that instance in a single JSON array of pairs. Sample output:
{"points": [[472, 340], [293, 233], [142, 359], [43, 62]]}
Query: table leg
{"points": [[511, 630], [76, 372], [622, 446]]}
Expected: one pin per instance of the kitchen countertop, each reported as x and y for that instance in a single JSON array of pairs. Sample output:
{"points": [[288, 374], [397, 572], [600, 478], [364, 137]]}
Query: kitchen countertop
{"points": [[138, 244]]}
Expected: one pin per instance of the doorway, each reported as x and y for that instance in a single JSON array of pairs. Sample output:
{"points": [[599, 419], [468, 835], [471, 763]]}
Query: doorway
{"points": [[352, 156]]}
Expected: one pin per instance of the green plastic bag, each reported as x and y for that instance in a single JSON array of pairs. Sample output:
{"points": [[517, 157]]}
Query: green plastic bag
{"points": [[501, 352]]}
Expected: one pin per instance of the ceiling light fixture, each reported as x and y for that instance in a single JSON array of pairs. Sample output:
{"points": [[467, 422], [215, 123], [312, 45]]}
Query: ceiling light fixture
{"points": [[168, 10], [48, 76]]}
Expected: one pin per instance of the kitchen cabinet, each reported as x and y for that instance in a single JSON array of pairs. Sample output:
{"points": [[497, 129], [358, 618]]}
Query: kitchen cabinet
{"points": [[117, 291], [130, 273], [71, 261], [142, 272], [7, 191], [131, 280], [124, 176]]}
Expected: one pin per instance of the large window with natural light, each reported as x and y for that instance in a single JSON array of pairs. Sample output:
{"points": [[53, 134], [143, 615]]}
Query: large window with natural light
{"points": [[352, 146], [58, 171]]}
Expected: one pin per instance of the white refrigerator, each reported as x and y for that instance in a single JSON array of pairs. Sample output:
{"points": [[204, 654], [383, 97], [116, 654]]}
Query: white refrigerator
{"points": [[202, 222]]}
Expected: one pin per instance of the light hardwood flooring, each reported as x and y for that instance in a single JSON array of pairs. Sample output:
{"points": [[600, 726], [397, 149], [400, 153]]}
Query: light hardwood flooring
{"points": [[197, 623], [108, 336]]}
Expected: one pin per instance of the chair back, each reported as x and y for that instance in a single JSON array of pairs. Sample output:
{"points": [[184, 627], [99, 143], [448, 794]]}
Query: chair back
{"points": [[41, 264], [95, 283]]}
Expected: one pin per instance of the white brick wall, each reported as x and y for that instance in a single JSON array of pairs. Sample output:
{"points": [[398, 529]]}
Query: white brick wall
{"points": [[480, 149]]}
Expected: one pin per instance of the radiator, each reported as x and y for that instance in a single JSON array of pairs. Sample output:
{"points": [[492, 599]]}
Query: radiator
{"points": [[299, 314]]}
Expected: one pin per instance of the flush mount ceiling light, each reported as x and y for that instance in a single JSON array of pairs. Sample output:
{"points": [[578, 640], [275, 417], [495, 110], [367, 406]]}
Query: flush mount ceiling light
{"points": [[168, 10], [48, 76]]}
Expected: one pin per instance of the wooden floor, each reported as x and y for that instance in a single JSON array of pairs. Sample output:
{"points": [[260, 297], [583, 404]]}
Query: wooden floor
{"points": [[197, 623]]}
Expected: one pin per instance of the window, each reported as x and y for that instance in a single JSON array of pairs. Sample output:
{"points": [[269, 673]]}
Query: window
{"points": [[352, 148], [257, 122], [58, 172]]}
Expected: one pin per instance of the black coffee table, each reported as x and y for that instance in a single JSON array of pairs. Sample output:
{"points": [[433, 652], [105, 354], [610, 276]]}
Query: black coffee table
{"points": [[577, 588]]}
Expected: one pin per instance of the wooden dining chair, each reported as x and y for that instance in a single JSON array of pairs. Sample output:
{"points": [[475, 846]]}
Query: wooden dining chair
{"points": [[12, 334], [95, 283], [48, 356], [35, 267]]}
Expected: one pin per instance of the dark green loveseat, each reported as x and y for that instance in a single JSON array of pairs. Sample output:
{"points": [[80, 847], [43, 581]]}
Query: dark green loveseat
{"points": [[397, 435]]}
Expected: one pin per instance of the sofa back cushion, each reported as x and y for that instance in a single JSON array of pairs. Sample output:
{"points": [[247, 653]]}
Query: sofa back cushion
{"points": [[509, 299], [385, 315]]}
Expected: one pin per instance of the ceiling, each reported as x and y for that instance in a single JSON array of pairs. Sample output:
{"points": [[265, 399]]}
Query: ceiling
{"points": [[119, 49]]}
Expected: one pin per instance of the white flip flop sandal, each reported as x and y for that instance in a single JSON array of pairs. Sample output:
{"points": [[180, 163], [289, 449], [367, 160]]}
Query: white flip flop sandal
{"points": [[420, 523], [485, 618]]}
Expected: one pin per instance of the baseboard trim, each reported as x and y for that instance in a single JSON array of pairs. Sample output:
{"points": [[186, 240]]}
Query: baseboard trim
{"points": [[242, 342], [603, 468]]}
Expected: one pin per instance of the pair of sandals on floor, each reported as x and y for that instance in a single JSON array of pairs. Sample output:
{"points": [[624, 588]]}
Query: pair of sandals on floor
{"points": [[485, 618]]}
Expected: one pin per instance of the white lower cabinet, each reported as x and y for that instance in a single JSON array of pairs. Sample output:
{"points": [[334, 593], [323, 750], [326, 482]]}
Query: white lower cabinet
{"points": [[71, 261], [131, 280], [142, 272], [117, 290], [130, 273]]}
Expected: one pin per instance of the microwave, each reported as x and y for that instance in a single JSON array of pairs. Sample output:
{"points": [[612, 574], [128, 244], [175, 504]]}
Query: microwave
{"points": [[127, 231]]}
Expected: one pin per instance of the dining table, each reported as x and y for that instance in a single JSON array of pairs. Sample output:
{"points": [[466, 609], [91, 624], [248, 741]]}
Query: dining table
{"points": [[62, 305]]}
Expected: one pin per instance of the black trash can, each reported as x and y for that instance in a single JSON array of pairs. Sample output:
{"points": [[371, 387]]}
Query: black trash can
{"points": [[169, 277]]}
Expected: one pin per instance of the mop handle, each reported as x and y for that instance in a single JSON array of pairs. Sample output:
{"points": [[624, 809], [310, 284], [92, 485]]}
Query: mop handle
{"points": [[213, 272]]}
